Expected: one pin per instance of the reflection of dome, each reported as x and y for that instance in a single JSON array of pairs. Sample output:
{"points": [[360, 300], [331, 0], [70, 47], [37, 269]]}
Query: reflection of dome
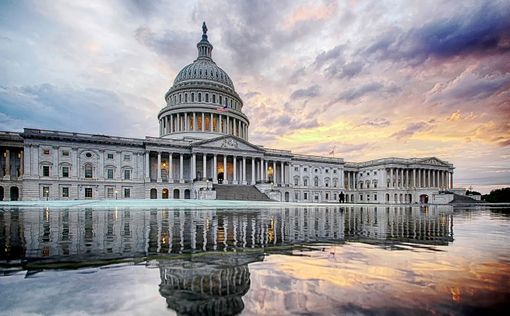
{"points": [[213, 286], [202, 103]]}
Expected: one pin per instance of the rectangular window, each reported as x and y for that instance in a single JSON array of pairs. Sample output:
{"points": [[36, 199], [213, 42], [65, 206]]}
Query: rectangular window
{"points": [[46, 192], [65, 172], [127, 193], [65, 153], [127, 174], [305, 182], [88, 193], [296, 181], [109, 193], [109, 173], [88, 172], [109, 156], [65, 192], [305, 169], [46, 151], [296, 168], [361, 197], [305, 196], [375, 197], [127, 157], [46, 171], [296, 196]]}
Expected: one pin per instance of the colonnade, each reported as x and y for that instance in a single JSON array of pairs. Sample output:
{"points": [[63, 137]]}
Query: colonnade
{"points": [[11, 162], [418, 178], [203, 122], [236, 169]]}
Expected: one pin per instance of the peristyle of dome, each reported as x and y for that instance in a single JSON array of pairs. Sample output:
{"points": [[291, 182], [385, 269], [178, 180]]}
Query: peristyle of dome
{"points": [[202, 102]]}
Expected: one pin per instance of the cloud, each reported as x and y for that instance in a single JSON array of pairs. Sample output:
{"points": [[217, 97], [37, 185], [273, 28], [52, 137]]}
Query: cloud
{"points": [[309, 92], [377, 122], [411, 129], [178, 45], [485, 30]]}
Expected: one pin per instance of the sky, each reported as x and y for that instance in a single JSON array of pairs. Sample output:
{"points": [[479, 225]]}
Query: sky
{"points": [[367, 79]]}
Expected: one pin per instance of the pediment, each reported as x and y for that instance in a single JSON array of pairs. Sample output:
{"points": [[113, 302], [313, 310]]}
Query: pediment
{"points": [[433, 161], [227, 142]]}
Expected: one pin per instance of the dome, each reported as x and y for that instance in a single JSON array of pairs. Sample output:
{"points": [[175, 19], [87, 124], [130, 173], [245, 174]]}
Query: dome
{"points": [[204, 69]]}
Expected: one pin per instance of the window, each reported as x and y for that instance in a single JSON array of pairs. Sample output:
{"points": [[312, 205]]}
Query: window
{"points": [[316, 181], [305, 196], [220, 99], [296, 181], [305, 182], [46, 192], [109, 173], [305, 169], [109, 193], [88, 171], [109, 156], [296, 168], [214, 98], [127, 192], [334, 197], [46, 151], [327, 170], [207, 97], [88, 193], [199, 97], [361, 197], [127, 174], [65, 192], [88, 155], [334, 171], [316, 169], [65, 172], [192, 97], [327, 196], [65, 153], [46, 171], [296, 196], [375, 197], [127, 157]]}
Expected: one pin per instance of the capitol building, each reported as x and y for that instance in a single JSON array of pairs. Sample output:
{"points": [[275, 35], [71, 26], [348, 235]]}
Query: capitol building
{"points": [[203, 152]]}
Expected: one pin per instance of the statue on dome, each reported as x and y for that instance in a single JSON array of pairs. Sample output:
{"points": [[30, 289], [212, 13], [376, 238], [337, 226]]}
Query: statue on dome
{"points": [[204, 28]]}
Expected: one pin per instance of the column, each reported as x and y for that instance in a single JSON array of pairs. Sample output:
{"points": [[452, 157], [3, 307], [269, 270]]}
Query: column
{"points": [[234, 176], [391, 178], [252, 171], [147, 166], [159, 166], [228, 125], [451, 180], [220, 123], [225, 173], [21, 164], [282, 180], [211, 126], [193, 166], [414, 178], [215, 168], [186, 122], [204, 165], [181, 168], [261, 170], [203, 122], [348, 180], [194, 128], [274, 172], [244, 170], [434, 178], [265, 171], [170, 168]]}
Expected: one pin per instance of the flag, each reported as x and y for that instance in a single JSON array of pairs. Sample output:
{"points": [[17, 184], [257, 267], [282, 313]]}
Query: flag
{"points": [[222, 108]]}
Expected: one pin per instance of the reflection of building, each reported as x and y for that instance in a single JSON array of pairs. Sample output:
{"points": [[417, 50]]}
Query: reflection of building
{"points": [[203, 139], [76, 235]]}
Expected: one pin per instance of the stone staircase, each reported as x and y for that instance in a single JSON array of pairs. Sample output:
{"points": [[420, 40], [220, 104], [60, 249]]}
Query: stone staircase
{"points": [[239, 192]]}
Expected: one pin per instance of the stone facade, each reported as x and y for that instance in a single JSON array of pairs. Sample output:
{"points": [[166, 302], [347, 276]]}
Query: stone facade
{"points": [[203, 142]]}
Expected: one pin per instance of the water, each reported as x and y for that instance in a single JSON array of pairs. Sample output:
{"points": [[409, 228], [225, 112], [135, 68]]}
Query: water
{"points": [[349, 260]]}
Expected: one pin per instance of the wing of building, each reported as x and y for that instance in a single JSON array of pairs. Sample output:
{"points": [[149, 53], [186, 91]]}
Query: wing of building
{"points": [[203, 152]]}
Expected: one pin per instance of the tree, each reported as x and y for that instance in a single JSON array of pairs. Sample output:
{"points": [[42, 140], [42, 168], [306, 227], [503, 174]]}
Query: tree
{"points": [[498, 196]]}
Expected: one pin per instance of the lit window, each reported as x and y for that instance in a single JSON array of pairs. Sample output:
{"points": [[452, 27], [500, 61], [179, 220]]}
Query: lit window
{"points": [[46, 192], [46, 151]]}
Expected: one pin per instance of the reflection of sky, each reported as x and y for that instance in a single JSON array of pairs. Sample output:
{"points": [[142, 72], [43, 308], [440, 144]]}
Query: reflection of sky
{"points": [[374, 79]]}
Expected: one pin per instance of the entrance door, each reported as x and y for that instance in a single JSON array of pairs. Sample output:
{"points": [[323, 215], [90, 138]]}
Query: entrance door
{"points": [[1, 193], [154, 194], [164, 194], [187, 194], [424, 198], [176, 194], [220, 177], [287, 196]]}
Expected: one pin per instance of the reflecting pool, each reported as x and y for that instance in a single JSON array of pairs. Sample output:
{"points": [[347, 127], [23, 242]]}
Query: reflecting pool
{"points": [[359, 260]]}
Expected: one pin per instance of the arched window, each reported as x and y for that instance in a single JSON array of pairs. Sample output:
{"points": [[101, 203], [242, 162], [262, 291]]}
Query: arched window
{"points": [[180, 98], [214, 98], [207, 97], [185, 97], [192, 97], [316, 181], [221, 101], [199, 97]]}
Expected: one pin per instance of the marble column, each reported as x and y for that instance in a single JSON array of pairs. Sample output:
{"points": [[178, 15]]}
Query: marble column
{"points": [[414, 178], [265, 171], [391, 178], [186, 123], [211, 125], [282, 180], [348, 180], [225, 172], [234, 175], [215, 168], [204, 166], [244, 170], [203, 122], [170, 168], [147, 166], [21, 164], [159, 166], [181, 168], [193, 166], [194, 127], [252, 171]]}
